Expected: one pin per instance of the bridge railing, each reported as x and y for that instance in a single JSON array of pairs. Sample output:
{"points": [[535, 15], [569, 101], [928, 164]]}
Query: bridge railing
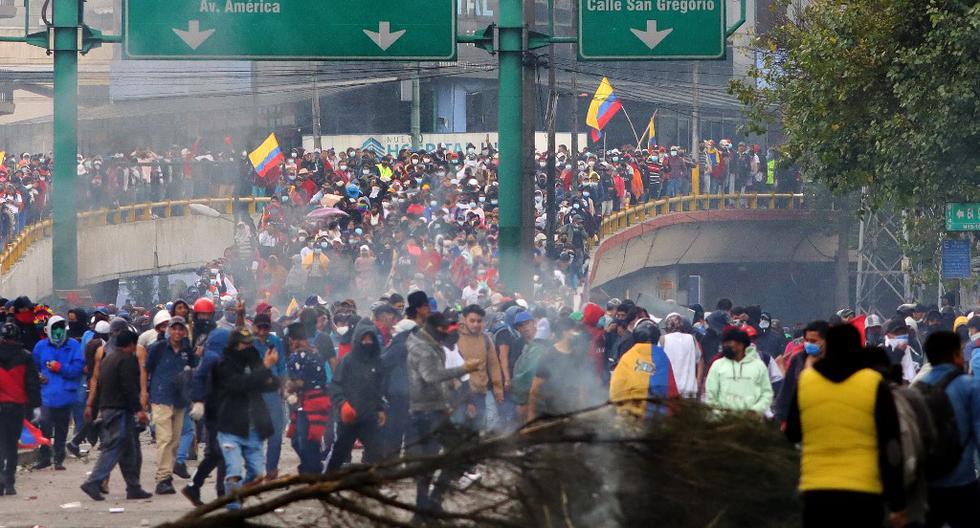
{"points": [[640, 213], [17, 247]]}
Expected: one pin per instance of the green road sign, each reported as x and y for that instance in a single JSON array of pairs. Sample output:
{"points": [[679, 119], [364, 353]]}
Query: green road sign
{"points": [[963, 217], [651, 29], [290, 29]]}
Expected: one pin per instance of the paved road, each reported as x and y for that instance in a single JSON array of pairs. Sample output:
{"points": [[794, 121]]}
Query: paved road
{"points": [[43, 496]]}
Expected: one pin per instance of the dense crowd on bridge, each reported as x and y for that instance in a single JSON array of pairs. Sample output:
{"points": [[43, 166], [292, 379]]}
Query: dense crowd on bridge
{"points": [[598, 182]]}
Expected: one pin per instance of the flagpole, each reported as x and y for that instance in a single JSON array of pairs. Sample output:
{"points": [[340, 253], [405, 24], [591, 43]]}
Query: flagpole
{"points": [[643, 135], [625, 113]]}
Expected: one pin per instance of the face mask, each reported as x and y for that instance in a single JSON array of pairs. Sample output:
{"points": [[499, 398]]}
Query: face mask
{"points": [[415, 161], [59, 335], [728, 352], [585, 194], [542, 164], [975, 337], [482, 199], [342, 330], [324, 245], [811, 349], [25, 317], [764, 324], [897, 341]]}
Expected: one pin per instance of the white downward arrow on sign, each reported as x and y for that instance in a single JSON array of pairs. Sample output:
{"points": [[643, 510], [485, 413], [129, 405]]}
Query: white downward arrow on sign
{"points": [[384, 37], [193, 37], [651, 37]]}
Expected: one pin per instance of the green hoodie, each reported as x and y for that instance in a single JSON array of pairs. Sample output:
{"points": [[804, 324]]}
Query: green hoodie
{"points": [[739, 385], [525, 370]]}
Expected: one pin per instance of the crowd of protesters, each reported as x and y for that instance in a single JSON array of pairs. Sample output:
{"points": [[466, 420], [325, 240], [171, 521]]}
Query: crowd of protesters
{"points": [[885, 410]]}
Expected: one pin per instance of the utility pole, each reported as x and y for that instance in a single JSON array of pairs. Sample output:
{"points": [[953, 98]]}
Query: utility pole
{"points": [[416, 125], [66, 25], [696, 122], [552, 207], [317, 142], [513, 251], [574, 142]]}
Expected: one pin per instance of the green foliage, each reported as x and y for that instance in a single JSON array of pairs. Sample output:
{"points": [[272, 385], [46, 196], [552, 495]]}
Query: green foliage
{"points": [[875, 94]]}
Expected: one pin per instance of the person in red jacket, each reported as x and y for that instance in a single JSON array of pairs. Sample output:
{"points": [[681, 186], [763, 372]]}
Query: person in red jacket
{"points": [[20, 394]]}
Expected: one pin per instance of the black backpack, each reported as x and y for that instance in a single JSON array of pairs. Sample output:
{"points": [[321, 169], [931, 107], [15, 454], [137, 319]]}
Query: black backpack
{"points": [[944, 453]]}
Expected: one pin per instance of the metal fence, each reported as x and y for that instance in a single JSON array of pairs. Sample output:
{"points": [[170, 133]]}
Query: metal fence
{"points": [[700, 202]]}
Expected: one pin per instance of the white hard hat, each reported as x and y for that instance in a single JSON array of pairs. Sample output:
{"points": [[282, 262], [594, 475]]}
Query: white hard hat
{"points": [[161, 317], [102, 327]]}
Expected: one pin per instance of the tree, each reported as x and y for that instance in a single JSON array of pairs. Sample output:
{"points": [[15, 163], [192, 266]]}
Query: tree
{"points": [[875, 95]]}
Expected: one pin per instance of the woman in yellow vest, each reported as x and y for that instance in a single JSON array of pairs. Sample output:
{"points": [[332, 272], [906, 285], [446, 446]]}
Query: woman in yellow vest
{"points": [[844, 417]]}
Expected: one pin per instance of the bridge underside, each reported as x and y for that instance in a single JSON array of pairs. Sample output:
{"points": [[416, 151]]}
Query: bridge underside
{"points": [[107, 252], [774, 258]]}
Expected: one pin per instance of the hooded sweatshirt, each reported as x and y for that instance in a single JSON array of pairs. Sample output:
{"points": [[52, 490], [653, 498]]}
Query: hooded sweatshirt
{"points": [[739, 385], [359, 379], [479, 346], [394, 359], [61, 390]]}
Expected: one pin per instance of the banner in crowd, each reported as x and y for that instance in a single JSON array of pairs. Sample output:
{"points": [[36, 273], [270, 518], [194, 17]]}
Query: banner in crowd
{"points": [[392, 143]]}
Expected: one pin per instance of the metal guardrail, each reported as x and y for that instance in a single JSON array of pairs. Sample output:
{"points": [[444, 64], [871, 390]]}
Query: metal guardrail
{"points": [[16, 248], [697, 202]]}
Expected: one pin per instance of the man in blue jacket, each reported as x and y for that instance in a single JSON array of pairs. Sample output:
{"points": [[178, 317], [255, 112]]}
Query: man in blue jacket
{"points": [[168, 365], [953, 497], [60, 362]]}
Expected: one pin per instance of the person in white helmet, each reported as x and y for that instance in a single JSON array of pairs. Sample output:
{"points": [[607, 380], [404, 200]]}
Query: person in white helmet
{"points": [[161, 320]]}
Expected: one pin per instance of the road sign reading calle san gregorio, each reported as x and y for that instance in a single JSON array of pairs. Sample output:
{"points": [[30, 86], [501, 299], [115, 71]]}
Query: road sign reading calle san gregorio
{"points": [[651, 29], [290, 29]]}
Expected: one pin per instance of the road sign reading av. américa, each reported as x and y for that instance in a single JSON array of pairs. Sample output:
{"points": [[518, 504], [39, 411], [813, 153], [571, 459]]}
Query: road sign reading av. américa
{"points": [[290, 29], [651, 29]]}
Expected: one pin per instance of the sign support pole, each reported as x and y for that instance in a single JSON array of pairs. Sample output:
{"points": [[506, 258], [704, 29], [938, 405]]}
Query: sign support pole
{"points": [[66, 30], [512, 254]]}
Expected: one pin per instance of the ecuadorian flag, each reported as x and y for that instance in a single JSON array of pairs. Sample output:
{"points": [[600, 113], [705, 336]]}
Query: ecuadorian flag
{"points": [[267, 157], [604, 106]]}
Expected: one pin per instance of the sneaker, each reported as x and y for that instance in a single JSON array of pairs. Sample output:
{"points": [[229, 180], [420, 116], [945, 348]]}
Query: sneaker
{"points": [[41, 465], [165, 487], [9, 490], [92, 490], [59, 467], [193, 494], [181, 471], [104, 487], [73, 448], [138, 494]]}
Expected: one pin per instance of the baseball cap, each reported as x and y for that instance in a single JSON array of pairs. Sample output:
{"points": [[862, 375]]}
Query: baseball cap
{"points": [[522, 317]]}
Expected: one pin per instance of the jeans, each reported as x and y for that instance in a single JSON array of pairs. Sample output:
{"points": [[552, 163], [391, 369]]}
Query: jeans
{"points": [[434, 431], [119, 445], [11, 423], [273, 401], [78, 409], [397, 431], [367, 431], [242, 455], [309, 451], [212, 459], [186, 438], [54, 425]]}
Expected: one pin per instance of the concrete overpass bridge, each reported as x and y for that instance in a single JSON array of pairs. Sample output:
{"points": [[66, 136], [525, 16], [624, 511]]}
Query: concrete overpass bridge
{"points": [[129, 241], [765, 249]]}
